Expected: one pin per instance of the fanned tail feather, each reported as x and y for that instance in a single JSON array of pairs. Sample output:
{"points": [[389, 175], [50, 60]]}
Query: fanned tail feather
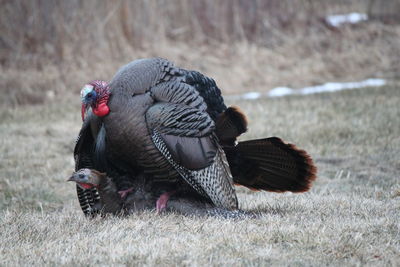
{"points": [[272, 165]]}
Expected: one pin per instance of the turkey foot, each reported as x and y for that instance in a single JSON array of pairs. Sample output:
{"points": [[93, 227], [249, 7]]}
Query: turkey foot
{"points": [[161, 203], [124, 193]]}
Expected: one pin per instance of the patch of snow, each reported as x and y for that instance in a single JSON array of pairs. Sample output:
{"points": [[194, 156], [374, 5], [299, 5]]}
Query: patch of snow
{"points": [[251, 95], [373, 82], [280, 91], [333, 87], [327, 87], [353, 18]]}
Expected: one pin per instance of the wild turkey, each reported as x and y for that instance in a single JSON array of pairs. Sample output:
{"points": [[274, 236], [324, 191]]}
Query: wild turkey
{"points": [[173, 125], [144, 197], [109, 200]]}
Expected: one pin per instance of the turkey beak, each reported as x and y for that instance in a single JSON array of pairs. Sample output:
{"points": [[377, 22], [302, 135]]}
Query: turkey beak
{"points": [[72, 178]]}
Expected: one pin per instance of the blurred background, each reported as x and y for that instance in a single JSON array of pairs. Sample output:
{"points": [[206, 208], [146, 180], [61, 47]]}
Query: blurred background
{"points": [[51, 48]]}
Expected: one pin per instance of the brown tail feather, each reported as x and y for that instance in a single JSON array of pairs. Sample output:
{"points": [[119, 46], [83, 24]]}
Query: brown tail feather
{"points": [[230, 124], [272, 165]]}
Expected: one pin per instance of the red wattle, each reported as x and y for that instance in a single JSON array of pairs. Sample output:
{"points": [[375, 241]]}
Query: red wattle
{"points": [[86, 186], [101, 110], [83, 112]]}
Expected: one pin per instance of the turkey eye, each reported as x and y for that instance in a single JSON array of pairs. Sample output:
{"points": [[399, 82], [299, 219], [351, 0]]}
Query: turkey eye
{"points": [[89, 94], [81, 176]]}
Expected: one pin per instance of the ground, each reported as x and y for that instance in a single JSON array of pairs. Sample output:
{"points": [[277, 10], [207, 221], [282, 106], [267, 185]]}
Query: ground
{"points": [[349, 217]]}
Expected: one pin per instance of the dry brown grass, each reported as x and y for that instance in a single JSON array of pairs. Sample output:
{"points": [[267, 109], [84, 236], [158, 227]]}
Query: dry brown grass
{"points": [[350, 217], [51, 48]]}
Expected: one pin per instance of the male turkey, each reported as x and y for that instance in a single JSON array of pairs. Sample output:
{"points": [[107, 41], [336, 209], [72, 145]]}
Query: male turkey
{"points": [[173, 125]]}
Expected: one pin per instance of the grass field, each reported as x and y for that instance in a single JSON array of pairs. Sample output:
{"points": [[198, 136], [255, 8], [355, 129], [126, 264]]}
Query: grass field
{"points": [[350, 216]]}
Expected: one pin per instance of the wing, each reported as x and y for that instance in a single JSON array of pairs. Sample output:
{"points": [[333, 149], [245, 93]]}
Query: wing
{"points": [[89, 199], [184, 136], [186, 131]]}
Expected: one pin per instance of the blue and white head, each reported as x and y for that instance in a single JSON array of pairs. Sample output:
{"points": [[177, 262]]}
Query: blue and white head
{"points": [[95, 95], [88, 95]]}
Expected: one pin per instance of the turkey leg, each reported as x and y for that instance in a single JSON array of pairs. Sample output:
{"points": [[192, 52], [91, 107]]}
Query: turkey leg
{"points": [[124, 193], [161, 203]]}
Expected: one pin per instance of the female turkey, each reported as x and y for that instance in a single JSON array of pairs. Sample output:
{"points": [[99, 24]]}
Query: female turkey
{"points": [[173, 125], [143, 199]]}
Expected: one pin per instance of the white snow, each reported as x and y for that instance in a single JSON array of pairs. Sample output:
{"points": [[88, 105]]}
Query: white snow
{"points": [[332, 87], [353, 18], [251, 95], [323, 88], [280, 91], [373, 82]]}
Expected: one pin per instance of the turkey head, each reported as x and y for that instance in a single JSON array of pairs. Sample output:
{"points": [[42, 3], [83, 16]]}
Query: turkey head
{"points": [[87, 178], [95, 95]]}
